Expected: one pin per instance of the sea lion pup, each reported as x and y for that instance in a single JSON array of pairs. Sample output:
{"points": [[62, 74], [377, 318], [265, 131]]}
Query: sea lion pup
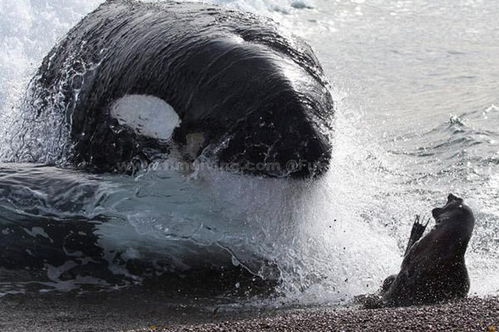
{"points": [[433, 269]]}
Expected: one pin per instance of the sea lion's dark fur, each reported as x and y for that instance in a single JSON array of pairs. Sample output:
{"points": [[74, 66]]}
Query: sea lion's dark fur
{"points": [[433, 269]]}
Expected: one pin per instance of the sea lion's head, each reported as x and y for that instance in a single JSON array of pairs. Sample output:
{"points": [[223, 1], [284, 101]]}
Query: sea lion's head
{"points": [[455, 214]]}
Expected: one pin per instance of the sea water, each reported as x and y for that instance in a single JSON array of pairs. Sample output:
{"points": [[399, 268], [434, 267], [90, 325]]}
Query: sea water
{"points": [[417, 117]]}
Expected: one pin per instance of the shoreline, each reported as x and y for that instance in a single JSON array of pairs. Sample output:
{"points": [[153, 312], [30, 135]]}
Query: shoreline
{"points": [[141, 310], [471, 314]]}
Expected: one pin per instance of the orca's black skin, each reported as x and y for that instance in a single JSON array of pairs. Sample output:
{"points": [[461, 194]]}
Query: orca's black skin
{"points": [[37, 244], [254, 95], [433, 269], [58, 242]]}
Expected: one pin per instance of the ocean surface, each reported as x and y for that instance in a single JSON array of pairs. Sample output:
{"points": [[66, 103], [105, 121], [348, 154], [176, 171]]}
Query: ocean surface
{"points": [[416, 86]]}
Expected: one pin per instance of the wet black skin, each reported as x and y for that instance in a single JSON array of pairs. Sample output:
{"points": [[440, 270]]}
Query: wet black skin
{"points": [[434, 269], [254, 95]]}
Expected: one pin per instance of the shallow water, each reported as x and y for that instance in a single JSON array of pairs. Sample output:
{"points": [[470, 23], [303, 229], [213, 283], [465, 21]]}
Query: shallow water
{"points": [[416, 92]]}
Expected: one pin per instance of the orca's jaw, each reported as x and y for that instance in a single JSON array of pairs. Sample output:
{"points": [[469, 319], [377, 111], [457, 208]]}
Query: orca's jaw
{"points": [[296, 152]]}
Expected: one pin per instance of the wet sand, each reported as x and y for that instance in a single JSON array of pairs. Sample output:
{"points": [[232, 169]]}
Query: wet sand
{"points": [[473, 314], [135, 311]]}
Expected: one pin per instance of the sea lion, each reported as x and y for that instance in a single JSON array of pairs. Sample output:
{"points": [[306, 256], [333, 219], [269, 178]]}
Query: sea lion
{"points": [[138, 80], [433, 269]]}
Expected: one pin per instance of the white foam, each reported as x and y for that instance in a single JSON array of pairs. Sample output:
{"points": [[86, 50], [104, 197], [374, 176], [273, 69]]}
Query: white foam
{"points": [[146, 115], [28, 30]]}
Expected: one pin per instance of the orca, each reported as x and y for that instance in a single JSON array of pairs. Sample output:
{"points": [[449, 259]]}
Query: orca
{"points": [[140, 81]]}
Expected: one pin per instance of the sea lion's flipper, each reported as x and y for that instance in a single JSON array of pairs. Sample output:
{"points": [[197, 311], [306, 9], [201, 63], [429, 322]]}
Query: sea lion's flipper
{"points": [[387, 283], [369, 301], [417, 232]]}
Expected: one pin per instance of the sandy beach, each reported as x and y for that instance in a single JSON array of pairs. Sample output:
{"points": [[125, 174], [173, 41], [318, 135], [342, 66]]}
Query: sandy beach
{"points": [[473, 314], [134, 310]]}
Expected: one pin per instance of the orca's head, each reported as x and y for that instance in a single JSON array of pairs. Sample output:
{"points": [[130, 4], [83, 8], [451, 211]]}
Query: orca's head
{"points": [[455, 214], [260, 113], [280, 143], [282, 140]]}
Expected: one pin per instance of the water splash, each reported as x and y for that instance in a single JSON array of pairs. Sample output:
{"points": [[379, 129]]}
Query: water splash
{"points": [[391, 159]]}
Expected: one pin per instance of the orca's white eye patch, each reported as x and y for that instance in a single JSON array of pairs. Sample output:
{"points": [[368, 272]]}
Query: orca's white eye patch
{"points": [[146, 115]]}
